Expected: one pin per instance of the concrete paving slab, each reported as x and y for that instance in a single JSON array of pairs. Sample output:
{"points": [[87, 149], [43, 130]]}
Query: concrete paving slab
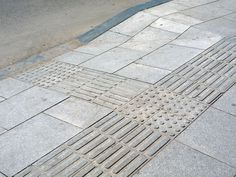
{"points": [[74, 57], [143, 73], [169, 57], [169, 25], [213, 134], [183, 19], [166, 9], [27, 104], [227, 102], [178, 160], [206, 12], [221, 26], [150, 39], [193, 3], [114, 59], [197, 38], [31, 140], [135, 24], [78, 112], [10, 87], [103, 43]]}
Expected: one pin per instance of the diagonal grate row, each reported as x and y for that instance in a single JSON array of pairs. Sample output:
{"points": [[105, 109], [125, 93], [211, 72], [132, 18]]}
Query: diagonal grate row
{"points": [[207, 76], [98, 87], [114, 146]]}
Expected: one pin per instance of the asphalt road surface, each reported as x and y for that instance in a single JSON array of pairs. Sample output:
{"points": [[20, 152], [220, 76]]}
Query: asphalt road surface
{"points": [[28, 27]]}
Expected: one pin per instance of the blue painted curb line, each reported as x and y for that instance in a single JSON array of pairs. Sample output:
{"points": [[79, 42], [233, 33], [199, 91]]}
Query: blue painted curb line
{"points": [[84, 38], [100, 29]]}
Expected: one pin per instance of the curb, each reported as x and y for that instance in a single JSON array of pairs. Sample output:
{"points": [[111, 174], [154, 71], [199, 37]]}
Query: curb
{"points": [[78, 41], [115, 20]]}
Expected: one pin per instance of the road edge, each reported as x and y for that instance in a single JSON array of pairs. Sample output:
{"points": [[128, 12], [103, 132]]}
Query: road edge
{"points": [[85, 38]]}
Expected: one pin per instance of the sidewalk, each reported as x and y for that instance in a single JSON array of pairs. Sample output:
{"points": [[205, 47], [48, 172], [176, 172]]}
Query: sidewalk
{"points": [[153, 96]]}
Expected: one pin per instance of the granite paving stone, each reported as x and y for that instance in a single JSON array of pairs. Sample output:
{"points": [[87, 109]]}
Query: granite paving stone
{"points": [[78, 112], [31, 140], [135, 24], [114, 59], [178, 160], [206, 12], [27, 104], [197, 38], [169, 57], [193, 3], [169, 25], [10, 87], [74, 57], [183, 19], [221, 26], [226, 4], [227, 102], [143, 73], [213, 133], [166, 9], [103, 43], [150, 39]]}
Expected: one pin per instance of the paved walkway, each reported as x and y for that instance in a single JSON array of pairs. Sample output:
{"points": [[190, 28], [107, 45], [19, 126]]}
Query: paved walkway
{"points": [[153, 96]]}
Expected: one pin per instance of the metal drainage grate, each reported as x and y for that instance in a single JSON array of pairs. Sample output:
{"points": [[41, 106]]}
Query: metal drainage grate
{"points": [[165, 111], [114, 146], [102, 88], [49, 74], [207, 76]]}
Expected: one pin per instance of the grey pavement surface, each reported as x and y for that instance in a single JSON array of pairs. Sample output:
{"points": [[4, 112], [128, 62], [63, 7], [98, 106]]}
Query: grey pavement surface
{"points": [[143, 73], [23, 106], [213, 127], [149, 39], [227, 102], [32, 140], [179, 160], [75, 111], [74, 57], [31, 26], [153, 96], [169, 57], [10, 87], [113, 60]]}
